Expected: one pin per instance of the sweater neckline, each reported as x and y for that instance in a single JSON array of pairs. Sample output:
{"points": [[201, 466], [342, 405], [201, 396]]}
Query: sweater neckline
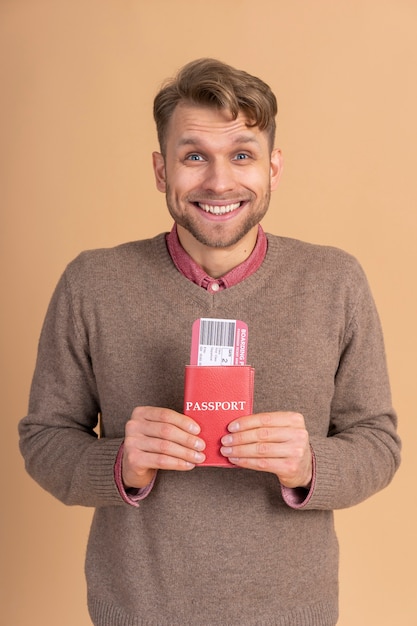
{"points": [[181, 284]]}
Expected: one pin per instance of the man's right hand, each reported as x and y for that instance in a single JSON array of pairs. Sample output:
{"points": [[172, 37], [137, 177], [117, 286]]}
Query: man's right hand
{"points": [[158, 438]]}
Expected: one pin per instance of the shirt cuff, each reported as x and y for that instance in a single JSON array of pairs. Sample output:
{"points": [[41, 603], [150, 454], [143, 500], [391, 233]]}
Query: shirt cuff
{"points": [[298, 497], [130, 496]]}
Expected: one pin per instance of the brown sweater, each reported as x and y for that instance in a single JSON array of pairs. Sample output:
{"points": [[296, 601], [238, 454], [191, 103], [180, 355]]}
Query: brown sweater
{"points": [[212, 546]]}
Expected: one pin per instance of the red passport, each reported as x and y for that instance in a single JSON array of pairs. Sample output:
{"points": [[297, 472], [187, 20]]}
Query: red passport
{"points": [[214, 396]]}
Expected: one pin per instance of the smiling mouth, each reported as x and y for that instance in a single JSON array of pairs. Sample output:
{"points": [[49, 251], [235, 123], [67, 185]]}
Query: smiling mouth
{"points": [[216, 209]]}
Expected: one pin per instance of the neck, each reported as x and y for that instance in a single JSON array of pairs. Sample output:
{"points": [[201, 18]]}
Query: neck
{"points": [[216, 262]]}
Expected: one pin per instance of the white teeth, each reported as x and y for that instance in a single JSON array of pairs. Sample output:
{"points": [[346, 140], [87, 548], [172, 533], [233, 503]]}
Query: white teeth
{"points": [[219, 210]]}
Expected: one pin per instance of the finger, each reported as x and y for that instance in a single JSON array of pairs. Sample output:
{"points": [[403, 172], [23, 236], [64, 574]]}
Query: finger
{"points": [[181, 459], [279, 435], [167, 447], [243, 438], [141, 428], [137, 466], [185, 459], [292, 464], [290, 473], [274, 419], [165, 434], [261, 464], [257, 451], [163, 415]]}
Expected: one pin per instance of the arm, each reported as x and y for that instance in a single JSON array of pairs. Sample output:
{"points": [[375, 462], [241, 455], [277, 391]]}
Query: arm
{"points": [[58, 440], [361, 451]]}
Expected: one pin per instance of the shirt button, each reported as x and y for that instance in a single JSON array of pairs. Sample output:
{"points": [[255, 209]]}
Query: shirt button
{"points": [[215, 286]]}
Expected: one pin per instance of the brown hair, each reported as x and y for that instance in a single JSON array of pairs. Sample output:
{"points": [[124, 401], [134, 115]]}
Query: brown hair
{"points": [[212, 83]]}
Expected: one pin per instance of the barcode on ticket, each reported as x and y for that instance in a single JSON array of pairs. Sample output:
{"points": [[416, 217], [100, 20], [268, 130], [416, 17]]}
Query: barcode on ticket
{"points": [[217, 332], [219, 342]]}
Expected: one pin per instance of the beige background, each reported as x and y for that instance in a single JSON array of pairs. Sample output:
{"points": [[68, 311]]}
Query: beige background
{"points": [[76, 133]]}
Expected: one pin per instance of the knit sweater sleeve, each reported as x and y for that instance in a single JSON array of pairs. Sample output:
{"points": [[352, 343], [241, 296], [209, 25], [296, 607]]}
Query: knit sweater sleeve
{"points": [[58, 437], [361, 452]]}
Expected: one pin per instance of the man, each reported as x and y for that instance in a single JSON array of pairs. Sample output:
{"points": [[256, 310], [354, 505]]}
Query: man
{"points": [[174, 542]]}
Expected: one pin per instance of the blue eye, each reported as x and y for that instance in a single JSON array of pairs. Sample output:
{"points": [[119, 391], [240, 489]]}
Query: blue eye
{"points": [[241, 156], [194, 157]]}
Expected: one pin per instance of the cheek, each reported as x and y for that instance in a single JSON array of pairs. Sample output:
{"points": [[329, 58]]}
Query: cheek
{"points": [[182, 183], [257, 181]]}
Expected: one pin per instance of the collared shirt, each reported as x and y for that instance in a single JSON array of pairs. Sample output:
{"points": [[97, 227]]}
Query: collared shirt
{"points": [[191, 270]]}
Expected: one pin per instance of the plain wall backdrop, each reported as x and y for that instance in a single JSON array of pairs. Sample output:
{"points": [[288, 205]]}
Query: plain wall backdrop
{"points": [[77, 81]]}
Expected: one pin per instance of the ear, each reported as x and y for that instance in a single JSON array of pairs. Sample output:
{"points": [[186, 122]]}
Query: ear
{"points": [[277, 165], [159, 171]]}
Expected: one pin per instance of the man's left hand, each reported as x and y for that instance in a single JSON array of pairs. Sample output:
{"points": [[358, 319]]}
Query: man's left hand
{"points": [[271, 442]]}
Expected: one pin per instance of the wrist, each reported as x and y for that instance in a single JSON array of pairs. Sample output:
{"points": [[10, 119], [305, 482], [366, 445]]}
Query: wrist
{"points": [[133, 481]]}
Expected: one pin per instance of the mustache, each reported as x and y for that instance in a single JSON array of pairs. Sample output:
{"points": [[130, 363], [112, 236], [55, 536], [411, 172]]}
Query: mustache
{"points": [[213, 198]]}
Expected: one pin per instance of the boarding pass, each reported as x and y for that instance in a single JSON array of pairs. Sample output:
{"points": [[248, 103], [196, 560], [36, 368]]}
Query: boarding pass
{"points": [[219, 342]]}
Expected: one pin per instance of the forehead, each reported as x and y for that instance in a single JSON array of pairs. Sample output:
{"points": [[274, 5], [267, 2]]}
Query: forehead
{"points": [[194, 125]]}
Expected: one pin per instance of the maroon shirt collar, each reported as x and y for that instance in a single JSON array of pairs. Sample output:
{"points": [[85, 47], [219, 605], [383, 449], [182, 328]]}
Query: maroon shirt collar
{"points": [[191, 270]]}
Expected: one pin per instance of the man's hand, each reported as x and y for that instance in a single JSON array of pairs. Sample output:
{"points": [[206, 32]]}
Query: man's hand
{"points": [[271, 442], [158, 438]]}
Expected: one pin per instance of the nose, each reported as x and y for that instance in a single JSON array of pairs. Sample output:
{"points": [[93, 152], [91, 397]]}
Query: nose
{"points": [[219, 177]]}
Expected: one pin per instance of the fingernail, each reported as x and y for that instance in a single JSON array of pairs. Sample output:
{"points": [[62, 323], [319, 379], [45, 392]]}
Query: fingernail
{"points": [[199, 457], [227, 440], [234, 427], [194, 428], [225, 450], [199, 444]]}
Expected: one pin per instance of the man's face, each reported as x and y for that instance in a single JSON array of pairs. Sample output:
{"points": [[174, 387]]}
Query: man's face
{"points": [[217, 175]]}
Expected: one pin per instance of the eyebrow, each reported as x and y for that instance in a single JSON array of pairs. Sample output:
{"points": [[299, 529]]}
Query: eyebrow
{"points": [[192, 141]]}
